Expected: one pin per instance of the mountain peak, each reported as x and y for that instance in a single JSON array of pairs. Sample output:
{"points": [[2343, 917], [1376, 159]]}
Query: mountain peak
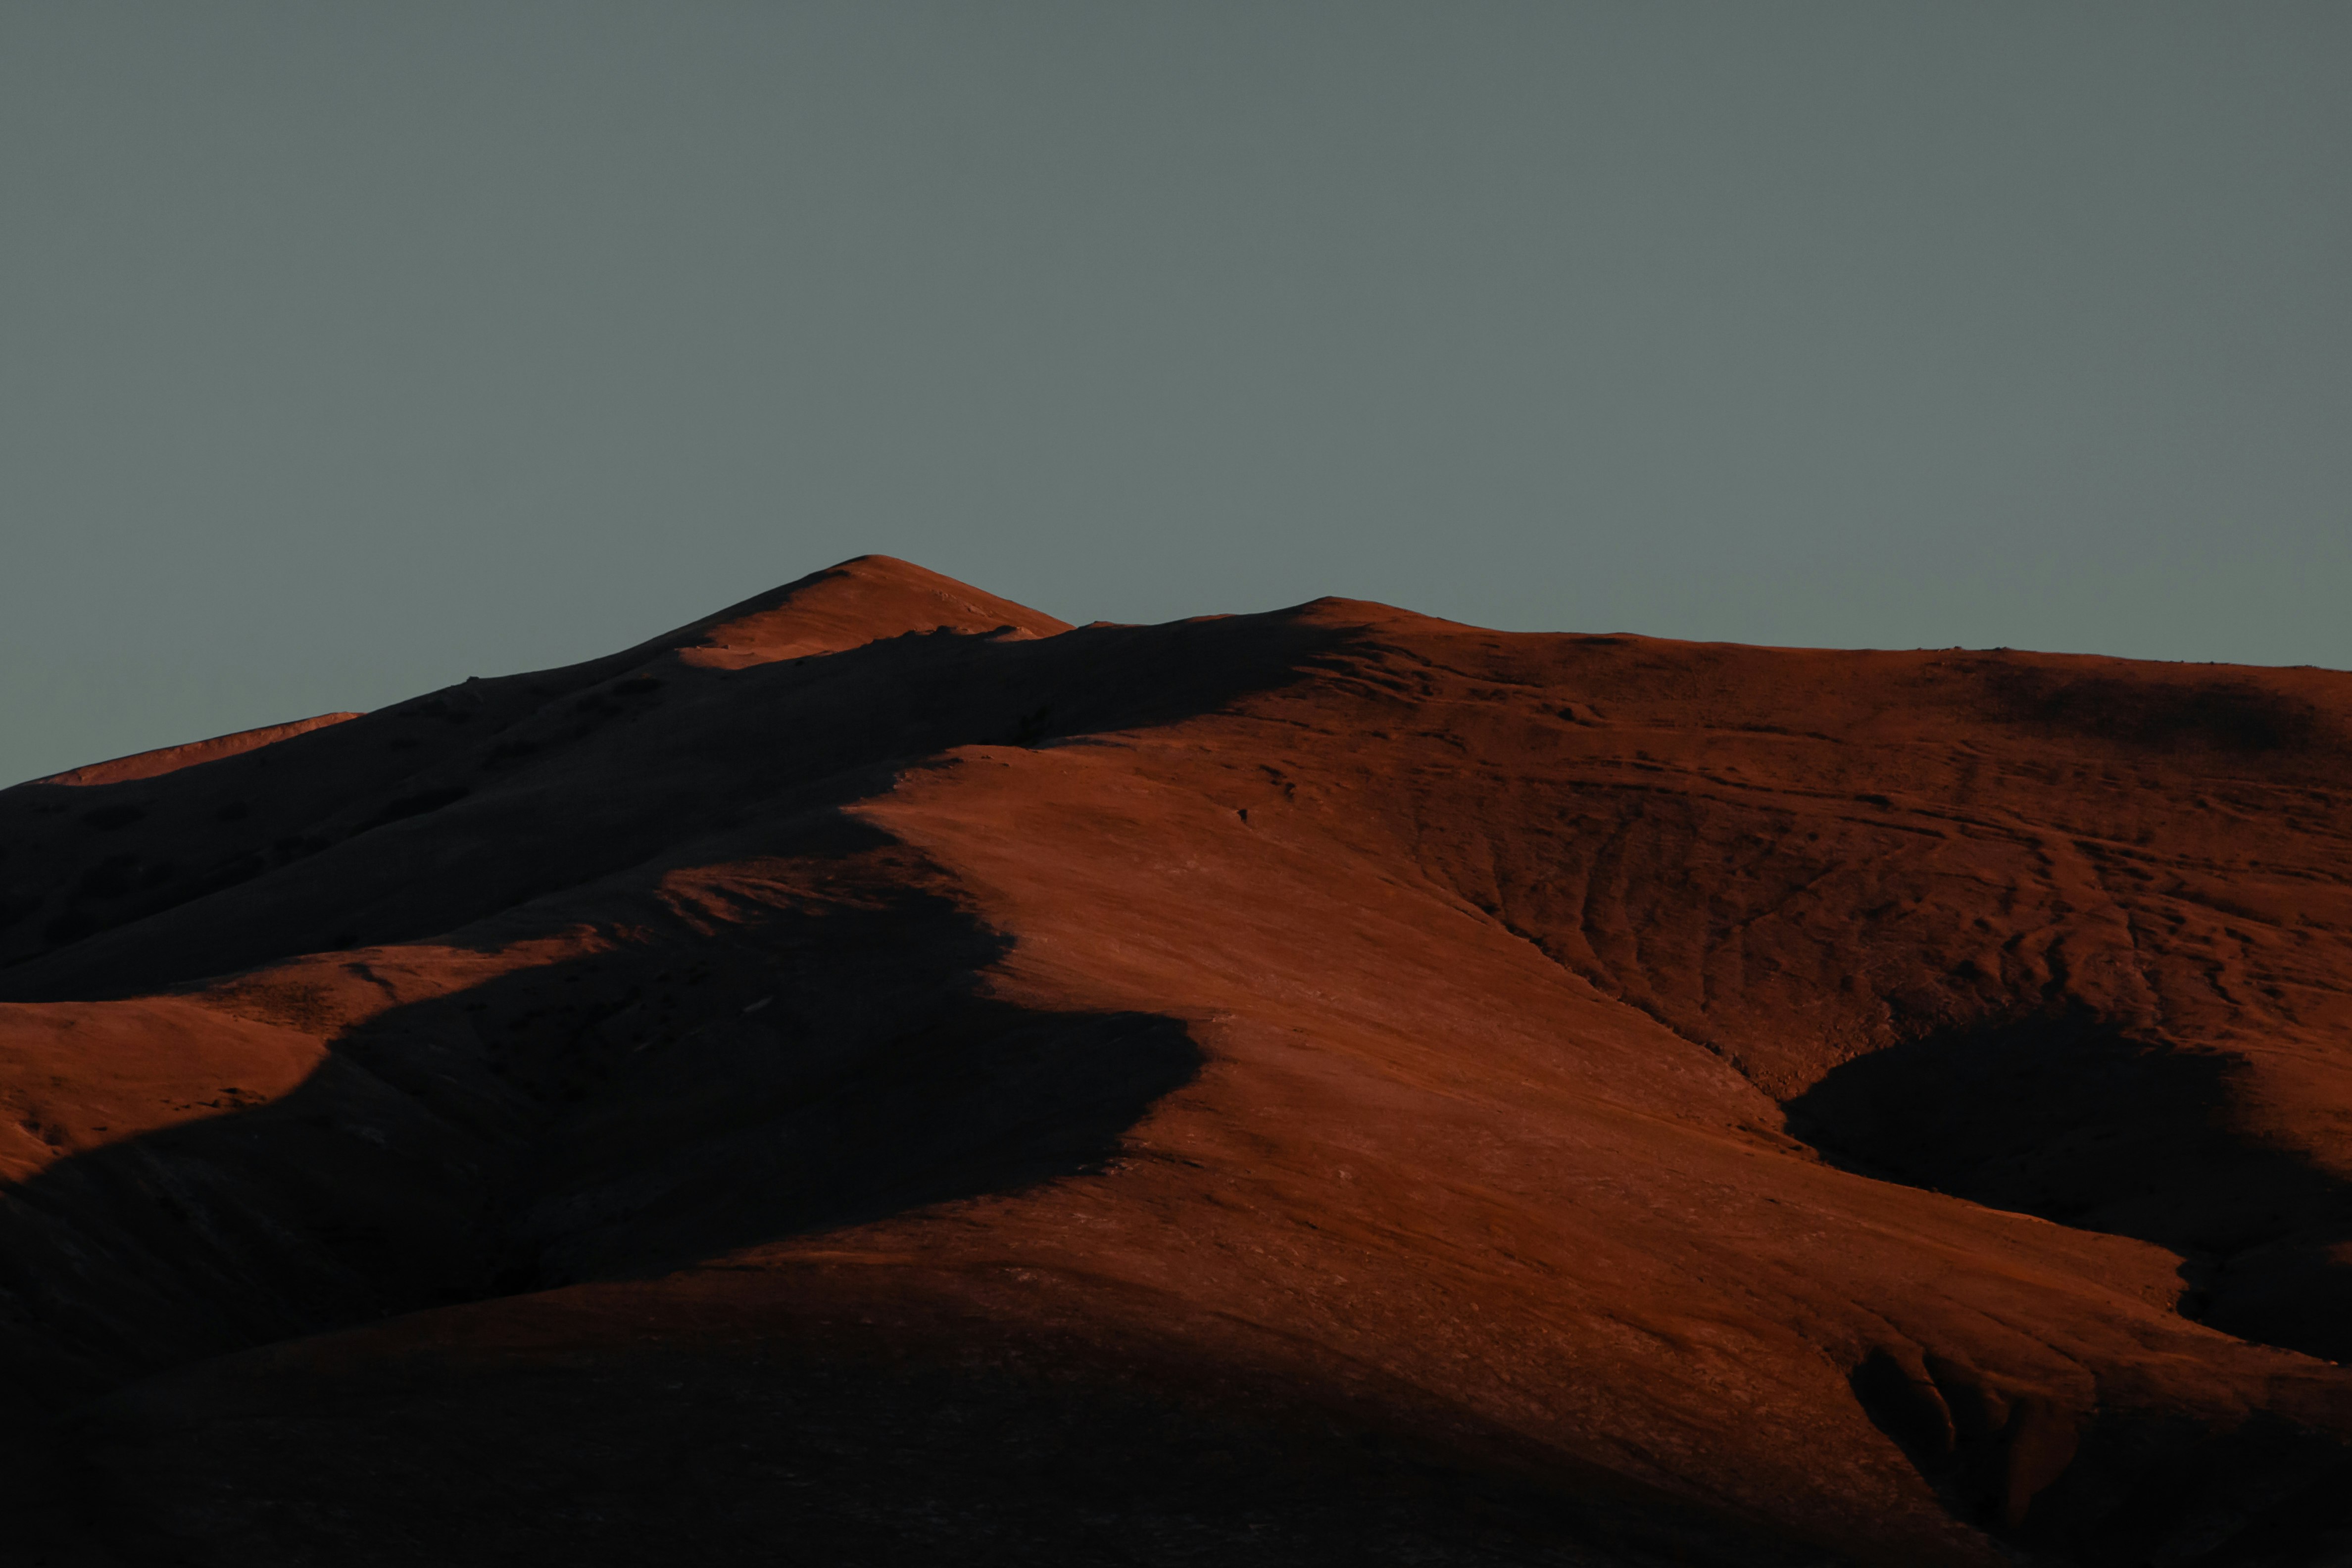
{"points": [[861, 600]]}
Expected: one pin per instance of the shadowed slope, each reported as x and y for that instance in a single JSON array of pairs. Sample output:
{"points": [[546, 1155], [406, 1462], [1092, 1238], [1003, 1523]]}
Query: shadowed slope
{"points": [[86, 860], [1335, 1047], [687, 1059]]}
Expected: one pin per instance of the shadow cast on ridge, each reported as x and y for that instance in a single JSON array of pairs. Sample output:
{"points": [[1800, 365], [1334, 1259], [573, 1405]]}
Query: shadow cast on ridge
{"points": [[689, 1088], [444, 810], [2074, 1121]]}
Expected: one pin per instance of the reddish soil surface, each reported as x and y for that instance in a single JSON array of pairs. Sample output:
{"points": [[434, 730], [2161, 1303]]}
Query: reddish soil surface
{"points": [[881, 1076], [171, 759]]}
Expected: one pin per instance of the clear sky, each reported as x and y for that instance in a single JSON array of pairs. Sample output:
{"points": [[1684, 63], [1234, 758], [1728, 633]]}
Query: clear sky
{"points": [[347, 349]]}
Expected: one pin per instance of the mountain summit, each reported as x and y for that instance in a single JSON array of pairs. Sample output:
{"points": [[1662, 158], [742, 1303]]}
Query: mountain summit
{"points": [[845, 606], [883, 1071]]}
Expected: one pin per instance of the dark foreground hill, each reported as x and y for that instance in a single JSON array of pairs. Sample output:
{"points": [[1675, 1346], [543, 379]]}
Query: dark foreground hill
{"points": [[880, 1076]]}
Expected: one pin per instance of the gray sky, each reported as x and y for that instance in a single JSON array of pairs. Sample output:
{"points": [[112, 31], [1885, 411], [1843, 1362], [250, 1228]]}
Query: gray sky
{"points": [[346, 350]]}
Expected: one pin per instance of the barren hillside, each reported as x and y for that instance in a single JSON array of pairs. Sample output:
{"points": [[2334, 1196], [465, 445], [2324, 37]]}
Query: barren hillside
{"points": [[880, 1076]]}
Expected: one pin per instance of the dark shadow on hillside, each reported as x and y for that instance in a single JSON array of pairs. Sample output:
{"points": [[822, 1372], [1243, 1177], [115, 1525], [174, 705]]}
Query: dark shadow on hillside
{"points": [[2076, 1121], [808, 1065], [2239, 717], [2271, 1492], [440, 812], [810, 1062], [884, 1442], [823, 1055]]}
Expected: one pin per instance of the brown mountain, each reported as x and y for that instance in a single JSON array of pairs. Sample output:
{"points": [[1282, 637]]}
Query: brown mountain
{"points": [[880, 1076]]}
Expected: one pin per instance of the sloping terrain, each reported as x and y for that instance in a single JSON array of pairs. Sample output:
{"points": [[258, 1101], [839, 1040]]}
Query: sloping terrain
{"points": [[881, 1076]]}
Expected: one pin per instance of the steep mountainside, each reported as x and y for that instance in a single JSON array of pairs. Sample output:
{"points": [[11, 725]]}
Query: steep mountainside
{"points": [[884, 1072]]}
